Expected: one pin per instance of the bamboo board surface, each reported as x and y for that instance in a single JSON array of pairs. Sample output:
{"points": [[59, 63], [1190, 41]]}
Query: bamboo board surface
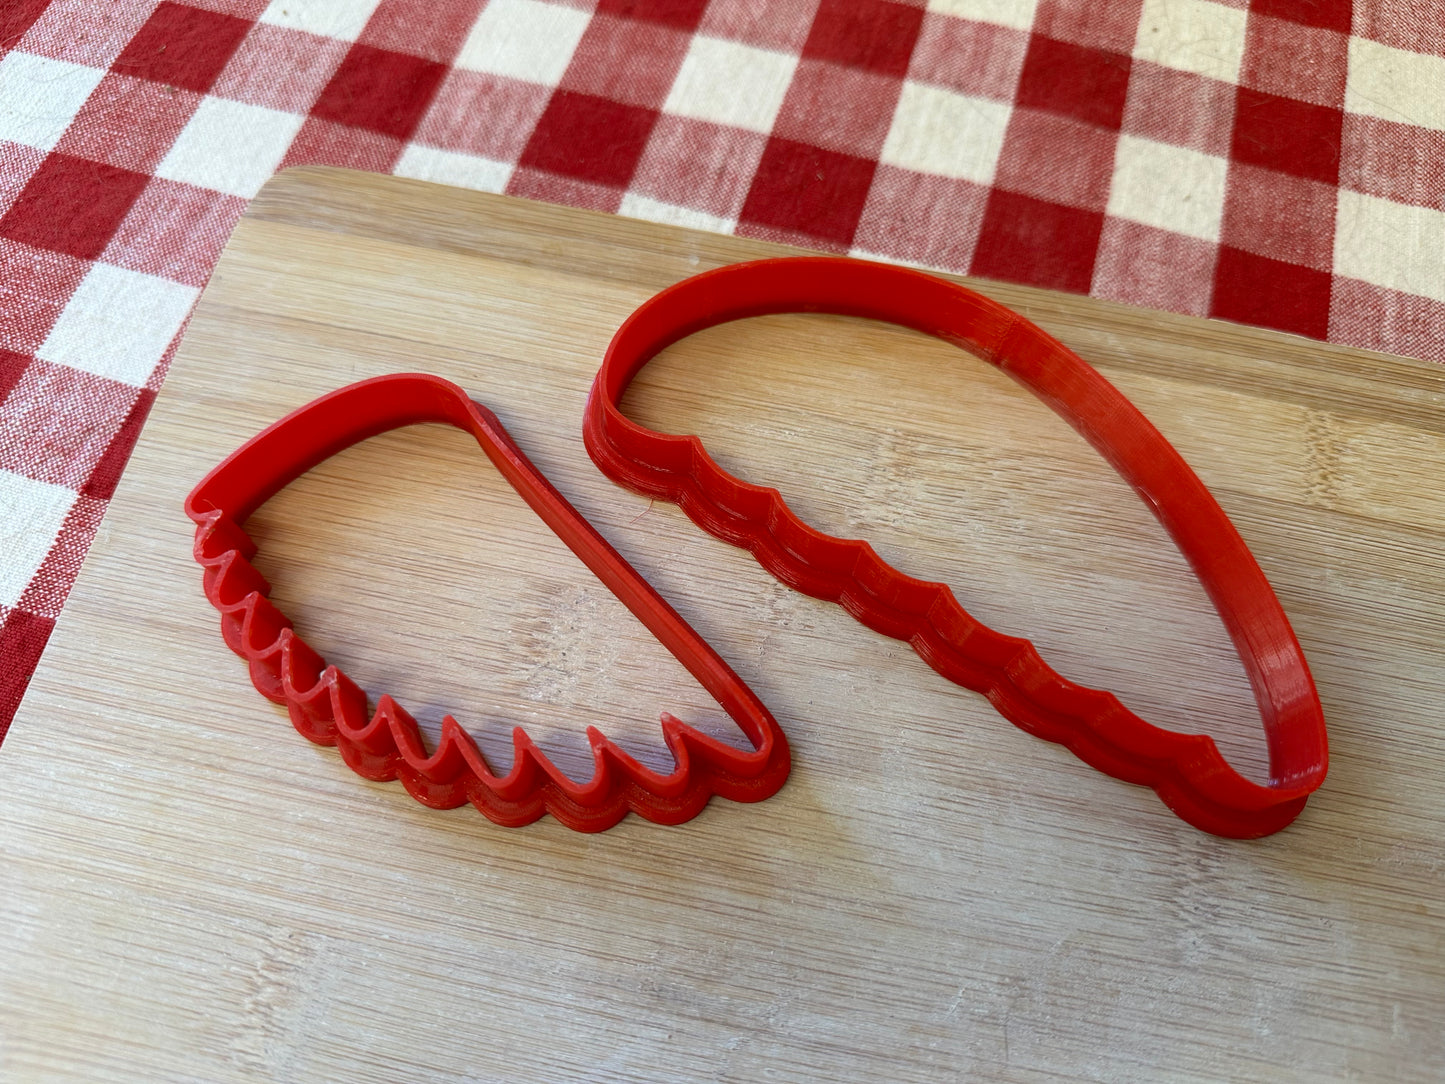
{"points": [[193, 892]]}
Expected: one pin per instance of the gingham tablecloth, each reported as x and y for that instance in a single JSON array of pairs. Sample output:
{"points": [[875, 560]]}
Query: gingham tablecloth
{"points": [[1274, 162]]}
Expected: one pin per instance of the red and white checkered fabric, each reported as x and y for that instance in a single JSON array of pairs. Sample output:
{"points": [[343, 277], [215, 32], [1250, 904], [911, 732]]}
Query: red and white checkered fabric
{"points": [[1274, 162]]}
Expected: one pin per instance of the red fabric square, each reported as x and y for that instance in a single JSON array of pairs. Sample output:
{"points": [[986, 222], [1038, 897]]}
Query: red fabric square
{"points": [[322, 143], [380, 91], [22, 639], [175, 231], [538, 184], [1181, 108], [693, 163], [34, 286], [1325, 14], [1037, 243], [130, 123], [84, 32], [1283, 217], [16, 17], [678, 14], [783, 27], [244, 9], [1294, 61], [1374, 318], [1283, 134], [840, 109], [1111, 26], [182, 46], [72, 206], [808, 192], [972, 58], [1075, 80], [58, 421], [280, 68], [1157, 269], [922, 218], [487, 115], [589, 138], [872, 34], [12, 368], [626, 61], [1031, 161], [437, 34], [1393, 161], [1250, 289], [106, 474], [18, 164]]}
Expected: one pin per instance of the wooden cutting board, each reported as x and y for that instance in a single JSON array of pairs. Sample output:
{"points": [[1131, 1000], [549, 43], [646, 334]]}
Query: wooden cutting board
{"points": [[193, 892]]}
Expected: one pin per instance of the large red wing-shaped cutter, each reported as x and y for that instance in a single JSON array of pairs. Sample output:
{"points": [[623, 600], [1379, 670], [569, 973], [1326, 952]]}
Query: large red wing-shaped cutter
{"points": [[330, 709], [1186, 770]]}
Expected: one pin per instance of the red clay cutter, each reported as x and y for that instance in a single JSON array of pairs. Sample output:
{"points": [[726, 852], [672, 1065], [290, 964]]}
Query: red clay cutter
{"points": [[328, 708], [1186, 770]]}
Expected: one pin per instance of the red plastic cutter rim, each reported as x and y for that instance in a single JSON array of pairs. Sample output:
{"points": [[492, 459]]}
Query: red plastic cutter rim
{"points": [[330, 709], [1186, 770]]}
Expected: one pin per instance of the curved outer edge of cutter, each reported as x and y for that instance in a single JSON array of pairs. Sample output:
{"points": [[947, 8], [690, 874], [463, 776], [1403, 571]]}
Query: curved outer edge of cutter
{"points": [[330, 709], [1186, 770]]}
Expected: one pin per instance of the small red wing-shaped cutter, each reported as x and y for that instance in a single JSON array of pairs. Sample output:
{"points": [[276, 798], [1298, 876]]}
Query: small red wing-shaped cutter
{"points": [[328, 708], [1186, 770]]}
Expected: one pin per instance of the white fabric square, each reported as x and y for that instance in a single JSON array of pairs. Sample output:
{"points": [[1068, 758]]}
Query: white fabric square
{"points": [[943, 132], [344, 19], [1395, 84], [31, 515], [1018, 14], [635, 206], [448, 167], [1193, 36], [523, 39], [1168, 187], [230, 146], [1394, 245], [118, 323], [39, 97], [729, 83]]}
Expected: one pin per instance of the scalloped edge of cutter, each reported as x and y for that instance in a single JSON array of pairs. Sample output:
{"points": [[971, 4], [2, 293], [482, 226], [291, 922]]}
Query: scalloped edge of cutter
{"points": [[328, 708], [1187, 771]]}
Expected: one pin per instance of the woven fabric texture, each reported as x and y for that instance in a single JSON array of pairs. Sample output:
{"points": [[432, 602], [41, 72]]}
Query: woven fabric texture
{"points": [[1274, 162]]}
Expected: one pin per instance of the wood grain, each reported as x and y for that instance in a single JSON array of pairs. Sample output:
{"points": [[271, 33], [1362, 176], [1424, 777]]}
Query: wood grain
{"points": [[192, 892]]}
